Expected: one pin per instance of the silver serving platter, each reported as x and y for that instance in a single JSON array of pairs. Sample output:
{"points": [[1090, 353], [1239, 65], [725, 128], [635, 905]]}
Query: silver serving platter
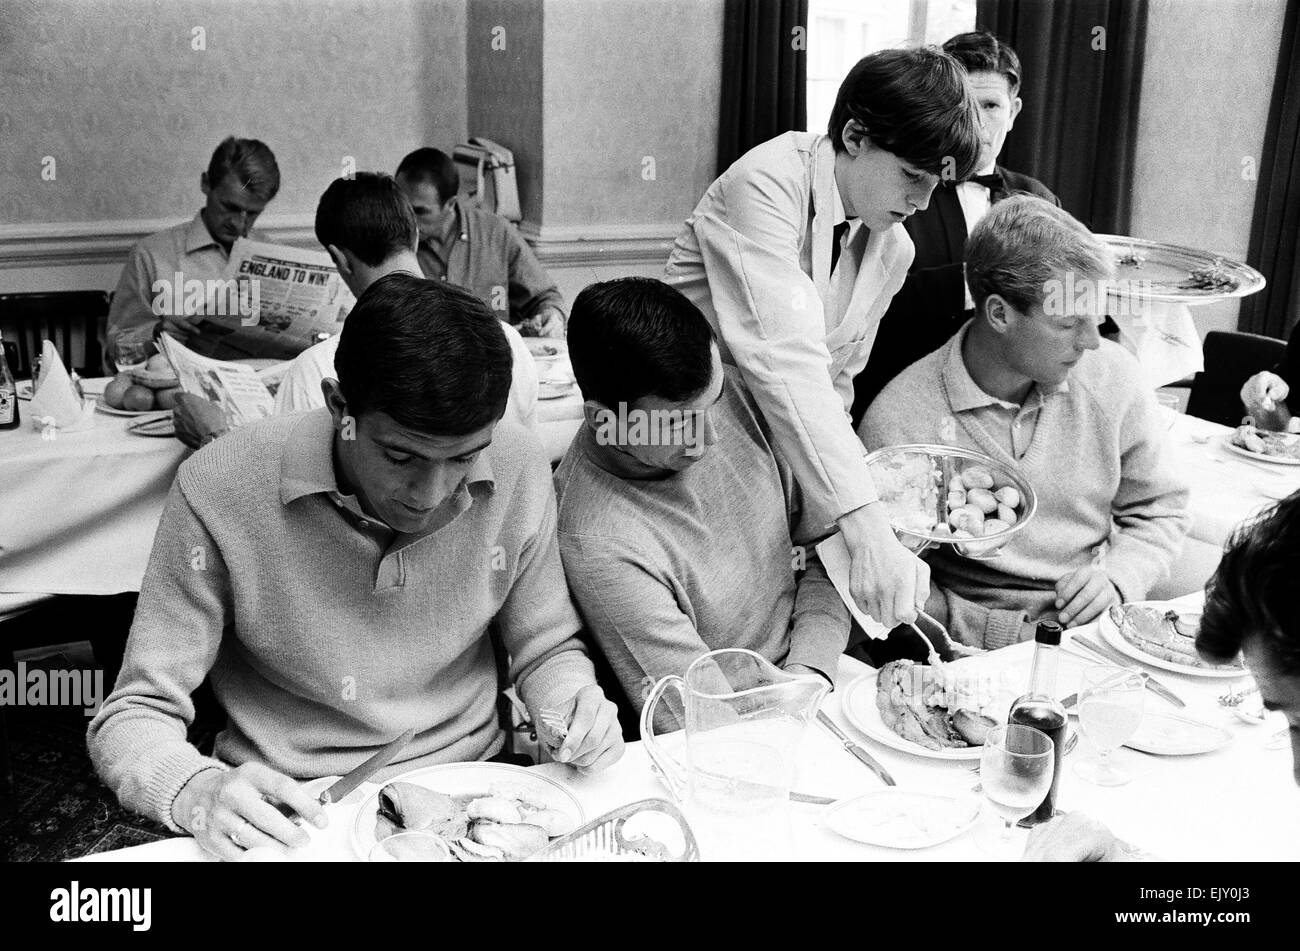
{"points": [[947, 461], [1164, 267]]}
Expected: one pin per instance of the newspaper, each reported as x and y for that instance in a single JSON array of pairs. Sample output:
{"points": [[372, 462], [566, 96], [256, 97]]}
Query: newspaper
{"points": [[240, 391], [273, 301]]}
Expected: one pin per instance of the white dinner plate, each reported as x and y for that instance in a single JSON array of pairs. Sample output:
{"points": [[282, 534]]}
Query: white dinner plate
{"points": [[460, 779], [114, 411], [1110, 633], [1170, 734], [1255, 456], [902, 818], [859, 705]]}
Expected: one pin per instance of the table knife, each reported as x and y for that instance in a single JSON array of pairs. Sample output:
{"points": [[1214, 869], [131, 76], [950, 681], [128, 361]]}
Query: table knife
{"points": [[355, 777], [1115, 657], [854, 750]]}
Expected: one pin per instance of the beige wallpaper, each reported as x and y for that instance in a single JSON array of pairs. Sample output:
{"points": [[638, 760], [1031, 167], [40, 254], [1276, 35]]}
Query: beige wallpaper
{"points": [[627, 83], [114, 91], [1205, 99]]}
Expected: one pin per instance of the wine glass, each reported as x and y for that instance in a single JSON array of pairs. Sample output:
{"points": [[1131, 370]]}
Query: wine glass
{"points": [[1110, 712], [1016, 772]]}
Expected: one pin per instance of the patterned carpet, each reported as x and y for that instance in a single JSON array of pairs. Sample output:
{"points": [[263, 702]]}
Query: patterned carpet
{"points": [[60, 810]]}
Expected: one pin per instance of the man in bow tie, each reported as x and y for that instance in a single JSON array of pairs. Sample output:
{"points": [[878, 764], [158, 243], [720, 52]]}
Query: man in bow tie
{"points": [[934, 302]]}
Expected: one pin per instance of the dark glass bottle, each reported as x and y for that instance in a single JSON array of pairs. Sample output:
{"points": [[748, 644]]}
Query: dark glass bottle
{"points": [[8, 392], [1040, 709]]}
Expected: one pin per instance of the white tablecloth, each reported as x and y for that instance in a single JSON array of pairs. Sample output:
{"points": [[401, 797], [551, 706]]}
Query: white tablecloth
{"points": [[1226, 488], [1238, 803], [78, 511]]}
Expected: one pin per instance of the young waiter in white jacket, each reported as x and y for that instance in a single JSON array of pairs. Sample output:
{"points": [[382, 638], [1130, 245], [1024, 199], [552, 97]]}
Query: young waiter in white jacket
{"points": [[794, 254]]}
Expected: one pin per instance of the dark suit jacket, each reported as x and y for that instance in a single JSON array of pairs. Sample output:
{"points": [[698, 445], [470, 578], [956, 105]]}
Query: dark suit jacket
{"points": [[931, 305]]}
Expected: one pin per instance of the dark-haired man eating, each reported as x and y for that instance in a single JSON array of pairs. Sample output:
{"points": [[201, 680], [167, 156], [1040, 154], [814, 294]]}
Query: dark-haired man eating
{"points": [[476, 249], [680, 527], [335, 574]]}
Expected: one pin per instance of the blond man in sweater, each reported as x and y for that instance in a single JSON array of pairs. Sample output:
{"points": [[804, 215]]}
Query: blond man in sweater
{"points": [[1029, 382], [336, 572]]}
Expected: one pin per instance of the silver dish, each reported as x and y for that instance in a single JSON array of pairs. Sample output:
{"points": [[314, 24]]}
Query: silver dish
{"points": [[945, 462], [1153, 270]]}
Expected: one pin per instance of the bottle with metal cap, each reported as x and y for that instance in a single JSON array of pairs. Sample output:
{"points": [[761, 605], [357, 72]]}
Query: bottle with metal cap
{"points": [[9, 417], [1040, 709]]}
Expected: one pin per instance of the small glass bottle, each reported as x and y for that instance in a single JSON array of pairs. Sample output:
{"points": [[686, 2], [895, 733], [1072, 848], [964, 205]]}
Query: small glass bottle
{"points": [[1040, 709], [9, 416]]}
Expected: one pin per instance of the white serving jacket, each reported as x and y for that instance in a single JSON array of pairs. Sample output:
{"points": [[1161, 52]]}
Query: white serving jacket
{"points": [[755, 257]]}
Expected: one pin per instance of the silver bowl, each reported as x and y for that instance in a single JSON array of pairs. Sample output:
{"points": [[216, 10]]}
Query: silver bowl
{"points": [[945, 462]]}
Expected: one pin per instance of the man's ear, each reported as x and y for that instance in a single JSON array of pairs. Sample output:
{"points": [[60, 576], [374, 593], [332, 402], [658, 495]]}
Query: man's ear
{"points": [[854, 137], [597, 415], [1016, 103], [340, 259], [203, 183], [998, 313], [334, 400]]}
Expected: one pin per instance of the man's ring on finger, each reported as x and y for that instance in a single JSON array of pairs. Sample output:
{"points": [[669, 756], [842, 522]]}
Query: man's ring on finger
{"points": [[234, 836]]}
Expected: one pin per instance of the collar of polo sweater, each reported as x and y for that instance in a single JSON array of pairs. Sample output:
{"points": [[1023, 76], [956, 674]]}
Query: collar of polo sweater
{"points": [[307, 468], [965, 394]]}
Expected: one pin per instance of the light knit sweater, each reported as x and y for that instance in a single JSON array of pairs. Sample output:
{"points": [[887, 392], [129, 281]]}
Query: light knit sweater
{"points": [[666, 569], [1098, 464], [326, 636]]}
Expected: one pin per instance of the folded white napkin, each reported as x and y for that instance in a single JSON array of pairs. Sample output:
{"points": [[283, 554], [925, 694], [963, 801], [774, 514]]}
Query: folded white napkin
{"points": [[55, 403]]}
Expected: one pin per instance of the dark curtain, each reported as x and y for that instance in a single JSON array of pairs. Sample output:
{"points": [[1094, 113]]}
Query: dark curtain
{"points": [[1077, 132], [1273, 232], [764, 74]]}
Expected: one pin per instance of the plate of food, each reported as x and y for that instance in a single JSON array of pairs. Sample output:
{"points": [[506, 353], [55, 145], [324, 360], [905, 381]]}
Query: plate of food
{"points": [[485, 812], [1171, 734], [1152, 270], [937, 495], [1156, 634], [104, 407], [902, 818], [1261, 445], [939, 713]]}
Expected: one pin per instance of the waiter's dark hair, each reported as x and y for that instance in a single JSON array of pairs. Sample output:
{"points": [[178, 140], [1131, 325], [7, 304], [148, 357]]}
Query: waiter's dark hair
{"points": [[367, 215], [433, 167], [427, 353], [982, 52], [635, 337], [1252, 593], [250, 162], [914, 103]]}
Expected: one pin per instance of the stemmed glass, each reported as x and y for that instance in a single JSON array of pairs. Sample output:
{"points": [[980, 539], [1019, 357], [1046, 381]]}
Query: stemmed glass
{"points": [[1016, 773], [1110, 712]]}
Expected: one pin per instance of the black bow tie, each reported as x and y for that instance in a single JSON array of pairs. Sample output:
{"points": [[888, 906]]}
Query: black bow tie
{"points": [[994, 181]]}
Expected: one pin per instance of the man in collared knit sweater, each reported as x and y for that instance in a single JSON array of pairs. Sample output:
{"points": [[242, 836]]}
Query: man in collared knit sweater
{"points": [[1029, 382], [336, 572]]}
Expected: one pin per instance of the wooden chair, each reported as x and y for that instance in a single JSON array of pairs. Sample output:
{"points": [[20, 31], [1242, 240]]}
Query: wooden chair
{"points": [[69, 319], [1230, 360]]}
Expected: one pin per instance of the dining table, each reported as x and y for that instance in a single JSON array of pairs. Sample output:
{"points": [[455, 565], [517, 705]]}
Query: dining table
{"points": [[1236, 803], [78, 510]]}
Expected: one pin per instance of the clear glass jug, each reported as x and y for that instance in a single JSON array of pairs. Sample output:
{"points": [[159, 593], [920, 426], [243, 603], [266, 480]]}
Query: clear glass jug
{"points": [[745, 719]]}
